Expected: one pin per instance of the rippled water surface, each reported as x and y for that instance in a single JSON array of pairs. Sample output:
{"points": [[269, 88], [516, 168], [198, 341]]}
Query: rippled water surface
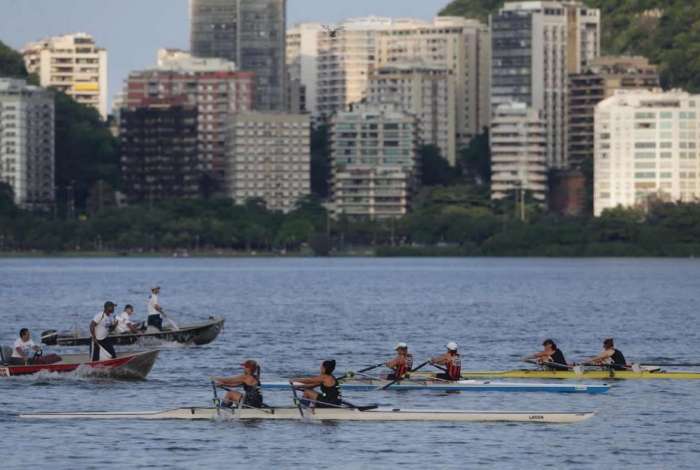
{"points": [[292, 313]]}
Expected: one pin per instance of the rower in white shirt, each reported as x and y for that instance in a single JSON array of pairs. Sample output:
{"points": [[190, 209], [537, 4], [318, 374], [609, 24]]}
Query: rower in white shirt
{"points": [[125, 324], [100, 327], [155, 318], [23, 348]]}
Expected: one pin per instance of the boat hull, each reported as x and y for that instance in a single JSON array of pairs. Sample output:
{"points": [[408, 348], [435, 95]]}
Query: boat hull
{"points": [[458, 386], [135, 366], [572, 375], [327, 414], [198, 335]]}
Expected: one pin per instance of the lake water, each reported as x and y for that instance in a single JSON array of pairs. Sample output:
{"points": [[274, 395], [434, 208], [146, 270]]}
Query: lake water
{"points": [[292, 313]]}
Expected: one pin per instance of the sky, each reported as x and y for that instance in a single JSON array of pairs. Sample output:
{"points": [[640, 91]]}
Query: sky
{"points": [[133, 30]]}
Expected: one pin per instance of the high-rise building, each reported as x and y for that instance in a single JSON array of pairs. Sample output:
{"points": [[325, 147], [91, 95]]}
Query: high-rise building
{"points": [[647, 146], [374, 158], [532, 54], [458, 44], [518, 151], [159, 151], [213, 86], [250, 33], [72, 64], [302, 67], [598, 81], [346, 53], [425, 91], [27, 143], [268, 157]]}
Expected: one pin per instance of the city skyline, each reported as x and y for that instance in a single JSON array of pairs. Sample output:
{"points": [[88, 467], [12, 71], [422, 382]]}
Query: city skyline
{"points": [[157, 27]]}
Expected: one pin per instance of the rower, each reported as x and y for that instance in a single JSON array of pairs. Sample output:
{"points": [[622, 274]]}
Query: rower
{"points": [[451, 361], [23, 348], [249, 380], [329, 395], [610, 356], [550, 357], [124, 322], [401, 364], [100, 328], [155, 318]]}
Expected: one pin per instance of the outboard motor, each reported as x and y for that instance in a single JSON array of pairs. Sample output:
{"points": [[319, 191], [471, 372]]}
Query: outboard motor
{"points": [[49, 337]]}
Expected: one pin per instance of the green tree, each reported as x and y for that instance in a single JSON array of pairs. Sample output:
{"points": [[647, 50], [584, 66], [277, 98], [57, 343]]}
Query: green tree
{"points": [[435, 170], [320, 160], [475, 160]]}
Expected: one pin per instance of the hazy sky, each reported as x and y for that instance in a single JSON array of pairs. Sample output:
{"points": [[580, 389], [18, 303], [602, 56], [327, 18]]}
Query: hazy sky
{"points": [[133, 30]]}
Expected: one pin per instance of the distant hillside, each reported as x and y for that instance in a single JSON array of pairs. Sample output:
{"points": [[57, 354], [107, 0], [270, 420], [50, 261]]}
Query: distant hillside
{"points": [[665, 31]]}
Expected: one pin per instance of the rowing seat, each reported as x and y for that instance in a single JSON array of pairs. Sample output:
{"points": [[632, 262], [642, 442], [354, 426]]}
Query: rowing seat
{"points": [[5, 354]]}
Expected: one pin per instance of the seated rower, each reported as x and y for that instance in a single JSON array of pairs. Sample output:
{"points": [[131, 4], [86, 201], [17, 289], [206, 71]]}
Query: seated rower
{"points": [[550, 357], [23, 348], [609, 356], [249, 380], [401, 364], [329, 395], [450, 361], [124, 322]]}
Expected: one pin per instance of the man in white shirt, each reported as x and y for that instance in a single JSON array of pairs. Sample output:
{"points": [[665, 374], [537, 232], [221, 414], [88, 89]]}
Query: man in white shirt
{"points": [[125, 323], [100, 328], [23, 348], [154, 310]]}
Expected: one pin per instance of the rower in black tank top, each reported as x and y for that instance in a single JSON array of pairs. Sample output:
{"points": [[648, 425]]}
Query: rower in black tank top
{"points": [[329, 395], [557, 361], [253, 395], [618, 360]]}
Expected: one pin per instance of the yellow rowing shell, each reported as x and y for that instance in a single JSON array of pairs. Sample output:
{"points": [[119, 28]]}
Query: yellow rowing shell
{"points": [[566, 374]]}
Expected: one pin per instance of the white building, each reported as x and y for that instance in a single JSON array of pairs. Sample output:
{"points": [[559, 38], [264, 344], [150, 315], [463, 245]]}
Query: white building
{"points": [[375, 168], [458, 44], [72, 64], [646, 146], [518, 151], [346, 53], [302, 67], [425, 91], [27, 143], [535, 45], [268, 157]]}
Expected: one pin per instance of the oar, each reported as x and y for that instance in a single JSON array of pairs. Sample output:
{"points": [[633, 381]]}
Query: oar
{"points": [[296, 399], [351, 374], [217, 402], [401, 378], [680, 364], [170, 320], [555, 365]]}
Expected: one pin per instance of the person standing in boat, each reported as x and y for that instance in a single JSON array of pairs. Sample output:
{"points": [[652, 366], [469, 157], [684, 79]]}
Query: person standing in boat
{"points": [[124, 322], [550, 357], [329, 395], [155, 317], [101, 326], [249, 380], [23, 348], [401, 364], [610, 356], [450, 363]]}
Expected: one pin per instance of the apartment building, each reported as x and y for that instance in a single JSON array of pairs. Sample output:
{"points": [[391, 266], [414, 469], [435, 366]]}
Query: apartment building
{"points": [[425, 91], [598, 81], [250, 33], [646, 146], [214, 86], [302, 67], [375, 167], [72, 64], [27, 160], [460, 45], [518, 151], [268, 158]]}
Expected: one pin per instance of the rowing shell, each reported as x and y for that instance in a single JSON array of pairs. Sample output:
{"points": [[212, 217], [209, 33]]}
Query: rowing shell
{"points": [[326, 414], [459, 386], [570, 374]]}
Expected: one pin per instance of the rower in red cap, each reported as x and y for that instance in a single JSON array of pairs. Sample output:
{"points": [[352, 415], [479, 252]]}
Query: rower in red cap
{"points": [[249, 380]]}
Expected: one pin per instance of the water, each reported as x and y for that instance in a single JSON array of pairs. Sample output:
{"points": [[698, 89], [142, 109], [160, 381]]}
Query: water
{"points": [[292, 313]]}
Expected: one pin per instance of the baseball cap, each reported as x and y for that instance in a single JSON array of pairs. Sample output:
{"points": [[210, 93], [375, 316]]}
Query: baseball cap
{"points": [[452, 346], [401, 346]]}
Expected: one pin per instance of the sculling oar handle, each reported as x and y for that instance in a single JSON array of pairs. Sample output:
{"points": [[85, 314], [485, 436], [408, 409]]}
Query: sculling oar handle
{"points": [[401, 378]]}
